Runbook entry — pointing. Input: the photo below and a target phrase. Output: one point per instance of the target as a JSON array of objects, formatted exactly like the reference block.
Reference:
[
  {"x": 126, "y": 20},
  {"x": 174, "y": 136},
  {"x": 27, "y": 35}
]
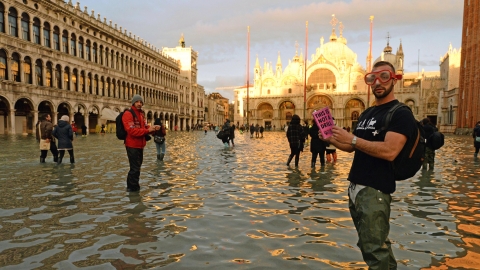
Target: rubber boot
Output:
[
  {"x": 72, "y": 160},
  {"x": 161, "y": 157},
  {"x": 59, "y": 161},
  {"x": 430, "y": 166},
  {"x": 289, "y": 160},
  {"x": 158, "y": 157},
  {"x": 297, "y": 159},
  {"x": 475, "y": 155},
  {"x": 313, "y": 165},
  {"x": 42, "y": 160},
  {"x": 55, "y": 159}
]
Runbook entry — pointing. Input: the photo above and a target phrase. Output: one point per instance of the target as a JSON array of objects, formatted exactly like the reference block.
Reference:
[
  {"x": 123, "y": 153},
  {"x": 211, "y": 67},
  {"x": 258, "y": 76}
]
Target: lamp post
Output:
[{"x": 248, "y": 75}]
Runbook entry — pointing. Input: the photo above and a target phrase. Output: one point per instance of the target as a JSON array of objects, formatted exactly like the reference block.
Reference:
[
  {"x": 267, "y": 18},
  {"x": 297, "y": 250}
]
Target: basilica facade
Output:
[
  {"x": 59, "y": 59},
  {"x": 334, "y": 78}
]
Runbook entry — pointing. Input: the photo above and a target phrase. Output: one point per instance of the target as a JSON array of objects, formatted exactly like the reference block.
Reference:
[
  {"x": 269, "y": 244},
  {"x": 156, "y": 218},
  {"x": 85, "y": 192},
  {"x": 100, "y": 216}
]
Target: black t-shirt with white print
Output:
[{"x": 371, "y": 171}]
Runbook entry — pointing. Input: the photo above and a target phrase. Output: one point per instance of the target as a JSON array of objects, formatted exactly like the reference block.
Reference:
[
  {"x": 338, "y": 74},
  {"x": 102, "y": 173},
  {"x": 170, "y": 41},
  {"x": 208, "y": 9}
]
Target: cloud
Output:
[{"x": 217, "y": 29}]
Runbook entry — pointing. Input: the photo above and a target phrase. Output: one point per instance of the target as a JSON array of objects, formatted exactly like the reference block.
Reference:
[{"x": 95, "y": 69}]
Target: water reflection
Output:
[{"x": 210, "y": 207}]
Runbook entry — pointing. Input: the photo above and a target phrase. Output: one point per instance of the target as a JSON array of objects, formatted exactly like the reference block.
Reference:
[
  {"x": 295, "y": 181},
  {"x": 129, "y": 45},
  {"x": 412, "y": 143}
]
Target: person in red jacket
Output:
[{"x": 135, "y": 141}]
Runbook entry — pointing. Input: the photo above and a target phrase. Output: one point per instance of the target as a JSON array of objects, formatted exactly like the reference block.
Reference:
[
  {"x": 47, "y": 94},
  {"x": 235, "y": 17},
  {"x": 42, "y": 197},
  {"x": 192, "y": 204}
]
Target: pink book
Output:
[{"x": 324, "y": 120}]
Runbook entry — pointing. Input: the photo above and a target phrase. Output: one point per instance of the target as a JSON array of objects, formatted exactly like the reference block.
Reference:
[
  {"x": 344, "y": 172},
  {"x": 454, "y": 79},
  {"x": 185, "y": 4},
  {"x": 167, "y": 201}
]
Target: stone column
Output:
[
  {"x": 40, "y": 34},
  {"x": 51, "y": 37},
  {"x": 19, "y": 26},
  {"x": 86, "y": 120},
  {"x": 9, "y": 69},
  {"x": 21, "y": 71},
  {"x": 33, "y": 73},
  {"x": 35, "y": 121},
  {"x": 69, "y": 87},
  {"x": 53, "y": 78},
  {"x": 44, "y": 76},
  {"x": 12, "y": 121},
  {"x": 30, "y": 31},
  {"x": 5, "y": 21},
  {"x": 60, "y": 39},
  {"x": 54, "y": 117}
]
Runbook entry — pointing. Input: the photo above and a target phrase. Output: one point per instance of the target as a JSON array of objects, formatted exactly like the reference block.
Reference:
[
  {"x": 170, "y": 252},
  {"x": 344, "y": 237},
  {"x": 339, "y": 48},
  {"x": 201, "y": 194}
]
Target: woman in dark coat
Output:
[
  {"x": 161, "y": 147},
  {"x": 64, "y": 134},
  {"x": 317, "y": 146},
  {"x": 296, "y": 139},
  {"x": 476, "y": 138},
  {"x": 226, "y": 131}
]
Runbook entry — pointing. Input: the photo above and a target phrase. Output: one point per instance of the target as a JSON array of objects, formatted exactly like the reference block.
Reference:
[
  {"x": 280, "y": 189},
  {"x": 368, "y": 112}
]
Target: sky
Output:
[{"x": 217, "y": 30}]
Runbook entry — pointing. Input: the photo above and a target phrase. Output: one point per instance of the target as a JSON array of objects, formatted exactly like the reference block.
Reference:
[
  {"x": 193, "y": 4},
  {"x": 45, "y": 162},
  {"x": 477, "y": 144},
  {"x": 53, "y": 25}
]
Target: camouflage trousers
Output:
[
  {"x": 370, "y": 213},
  {"x": 429, "y": 159}
]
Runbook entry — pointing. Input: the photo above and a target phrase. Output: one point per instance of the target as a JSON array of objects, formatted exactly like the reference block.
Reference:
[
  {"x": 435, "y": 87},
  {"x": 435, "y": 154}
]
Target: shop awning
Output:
[{"x": 109, "y": 114}]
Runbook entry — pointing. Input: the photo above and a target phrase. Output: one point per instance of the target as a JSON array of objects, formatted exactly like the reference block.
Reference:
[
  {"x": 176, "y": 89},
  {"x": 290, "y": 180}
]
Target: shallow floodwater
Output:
[{"x": 206, "y": 207}]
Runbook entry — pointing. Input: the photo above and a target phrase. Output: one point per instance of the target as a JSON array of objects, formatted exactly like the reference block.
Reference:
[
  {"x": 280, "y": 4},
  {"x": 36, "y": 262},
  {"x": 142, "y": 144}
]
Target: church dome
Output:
[{"x": 337, "y": 49}]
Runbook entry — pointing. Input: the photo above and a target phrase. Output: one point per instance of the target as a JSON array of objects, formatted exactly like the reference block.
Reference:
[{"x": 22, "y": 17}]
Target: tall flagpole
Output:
[
  {"x": 305, "y": 72},
  {"x": 369, "y": 68},
  {"x": 248, "y": 76}
]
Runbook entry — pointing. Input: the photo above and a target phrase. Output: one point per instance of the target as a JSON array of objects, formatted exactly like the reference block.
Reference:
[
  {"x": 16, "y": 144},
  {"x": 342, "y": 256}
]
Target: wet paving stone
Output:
[{"x": 207, "y": 207}]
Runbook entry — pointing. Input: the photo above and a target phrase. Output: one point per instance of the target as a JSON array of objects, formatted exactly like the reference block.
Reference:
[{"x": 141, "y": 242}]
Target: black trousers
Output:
[
  {"x": 53, "y": 149},
  {"x": 135, "y": 158}
]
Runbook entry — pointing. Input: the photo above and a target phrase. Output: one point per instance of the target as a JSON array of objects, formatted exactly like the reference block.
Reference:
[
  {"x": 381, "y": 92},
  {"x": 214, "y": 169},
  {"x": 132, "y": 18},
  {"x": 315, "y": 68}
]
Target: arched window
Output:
[
  {"x": 27, "y": 70},
  {"x": 16, "y": 67},
  {"x": 25, "y": 26},
  {"x": 322, "y": 79},
  {"x": 268, "y": 91},
  {"x": 65, "y": 41},
  {"x": 94, "y": 53},
  {"x": 36, "y": 31},
  {"x": 46, "y": 34},
  {"x": 289, "y": 90},
  {"x": 38, "y": 72},
  {"x": 58, "y": 76},
  {"x": 3, "y": 64},
  {"x": 48, "y": 74},
  {"x": 12, "y": 22},
  {"x": 80, "y": 47},
  {"x": 87, "y": 50},
  {"x": 74, "y": 80},
  {"x": 66, "y": 72},
  {"x": 73, "y": 45},
  {"x": 56, "y": 38},
  {"x": 2, "y": 19}
]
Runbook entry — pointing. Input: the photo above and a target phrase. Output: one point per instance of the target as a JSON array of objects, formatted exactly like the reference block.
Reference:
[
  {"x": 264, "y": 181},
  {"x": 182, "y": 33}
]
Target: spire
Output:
[
  {"x": 279, "y": 60},
  {"x": 265, "y": 65},
  {"x": 341, "y": 38},
  {"x": 388, "y": 49},
  {"x": 181, "y": 41},
  {"x": 333, "y": 22},
  {"x": 257, "y": 63},
  {"x": 400, "y": 49}
]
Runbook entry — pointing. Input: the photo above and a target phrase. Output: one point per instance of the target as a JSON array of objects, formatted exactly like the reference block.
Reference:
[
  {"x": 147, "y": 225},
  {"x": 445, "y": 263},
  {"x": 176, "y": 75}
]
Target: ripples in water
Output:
[{"x": 215, "y": 208}]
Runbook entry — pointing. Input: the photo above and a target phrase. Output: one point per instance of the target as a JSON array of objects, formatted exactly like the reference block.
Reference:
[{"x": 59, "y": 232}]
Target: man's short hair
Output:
[
  {"x": 44, "y": 116},
  {"x": 384, "y": 63}
]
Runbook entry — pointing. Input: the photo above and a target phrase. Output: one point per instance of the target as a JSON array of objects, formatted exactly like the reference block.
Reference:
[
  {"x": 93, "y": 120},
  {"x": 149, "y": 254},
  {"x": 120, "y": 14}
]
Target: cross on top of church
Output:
[
  {"x": 296, "y": 47},
  {"x": 388, "y": 38},
  {"x": 334, "y": 21},
  {"x": 340, "y": 27}
]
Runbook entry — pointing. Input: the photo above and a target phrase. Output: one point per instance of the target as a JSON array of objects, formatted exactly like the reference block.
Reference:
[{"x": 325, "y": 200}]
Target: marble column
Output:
[{"x": 12, "y": 121}]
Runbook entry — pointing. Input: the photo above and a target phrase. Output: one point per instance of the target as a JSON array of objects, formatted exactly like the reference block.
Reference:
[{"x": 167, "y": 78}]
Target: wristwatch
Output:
[{"x": 354, "y": 141}]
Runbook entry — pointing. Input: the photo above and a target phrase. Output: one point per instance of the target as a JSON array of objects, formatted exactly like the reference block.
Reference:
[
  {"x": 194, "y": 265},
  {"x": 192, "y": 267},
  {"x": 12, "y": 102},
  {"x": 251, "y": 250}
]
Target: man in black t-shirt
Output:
[{"x": 371, "y": 175}]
